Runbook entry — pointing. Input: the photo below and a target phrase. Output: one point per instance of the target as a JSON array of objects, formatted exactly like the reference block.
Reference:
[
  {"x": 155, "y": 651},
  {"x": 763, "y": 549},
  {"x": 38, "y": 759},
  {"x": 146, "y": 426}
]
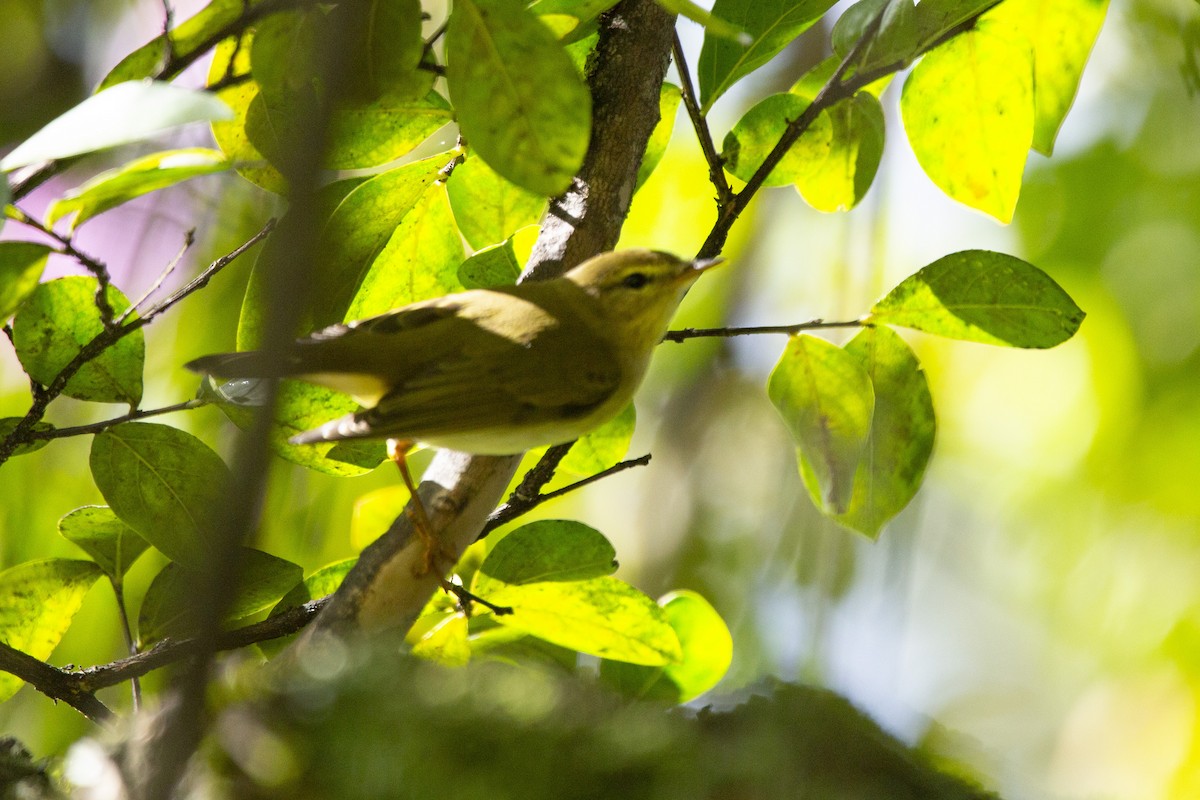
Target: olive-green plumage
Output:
[{"x": 491, "y": 371}]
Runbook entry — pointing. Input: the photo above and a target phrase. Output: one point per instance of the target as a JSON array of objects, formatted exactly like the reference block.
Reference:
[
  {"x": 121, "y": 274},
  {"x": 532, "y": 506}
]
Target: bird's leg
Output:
[{"x": 435, "y": 551}]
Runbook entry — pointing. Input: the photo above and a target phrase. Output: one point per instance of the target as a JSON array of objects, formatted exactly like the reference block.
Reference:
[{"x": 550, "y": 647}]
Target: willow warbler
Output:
[{"x": 491, "y": 371}]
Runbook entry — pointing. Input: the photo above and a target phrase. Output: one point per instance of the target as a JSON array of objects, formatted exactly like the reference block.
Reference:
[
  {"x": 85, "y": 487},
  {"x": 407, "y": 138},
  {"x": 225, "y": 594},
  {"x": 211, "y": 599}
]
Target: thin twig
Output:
[
  {"x": 699, "y": 333},
  {"x": 521, "y": 504},
  {"x": 716, "y": 165},
  {"x": 189, "y": 239},
  {"x": 100, "y": 427}
]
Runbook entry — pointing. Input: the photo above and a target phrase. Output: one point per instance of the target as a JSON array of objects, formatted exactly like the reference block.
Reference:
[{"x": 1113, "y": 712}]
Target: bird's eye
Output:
[{"x": 635, "y": 280}]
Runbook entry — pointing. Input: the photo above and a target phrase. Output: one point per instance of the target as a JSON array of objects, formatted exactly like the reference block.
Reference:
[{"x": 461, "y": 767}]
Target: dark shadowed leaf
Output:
[
  {"x": 112, "y": 544},
  {"x": 771, "y": 26},
  {"x": 164, "y": 483},
  {"x": 549, "y": 550}
]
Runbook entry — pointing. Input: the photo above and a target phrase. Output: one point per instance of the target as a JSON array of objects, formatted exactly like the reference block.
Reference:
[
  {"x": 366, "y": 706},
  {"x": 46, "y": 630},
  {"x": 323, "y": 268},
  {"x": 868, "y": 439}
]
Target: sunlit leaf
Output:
[
  {"x": 981, "y": 296},
  {"x": 520, "y": 102},
  {"x": 230, "y": 135},
  {"x": 169, "y": 607},
  {"x": 600, "y": 448},
  {"x": 374, "y": 512},
  {"x": 54, "y": 324},
  {"x": 112, "y": 544},
  {"x": 707, "y": 653},
  {"x": 186, "y": 38},
  {"x": 826, "y": 400},
  {"x": 488, "y": 208},
  {"x": 771, "y": 26},
  {"x": 548, "y": 550},
  {"x": 127, "y": 112},
  {"x": 38, "y": 600},
  {"x": 446, "y": 642},
  {"x": 968, "y": 113},
  {"x": 492, "y": 266},
  {"x": 21, "y": 266},
  {"x": 361, "y": 217},
  {"x": 301, "y": 407},
  {"x": 840, "y": 179},
  {"x": 669, "y": 97},
  {"x": 902, "y": 431},
  {"x": 164, "y": 483},
  {"x": 603, "y": 617},
  {"x": 141, "y": 176},
  {"x": 1062, "y": 33},
  {"x": 757, "y": 132},
  {"x": 419, "y": 262}
]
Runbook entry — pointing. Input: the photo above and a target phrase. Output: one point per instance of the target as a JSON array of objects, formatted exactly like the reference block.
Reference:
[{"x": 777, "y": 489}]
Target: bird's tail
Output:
[{"x": 251, "y": 364}]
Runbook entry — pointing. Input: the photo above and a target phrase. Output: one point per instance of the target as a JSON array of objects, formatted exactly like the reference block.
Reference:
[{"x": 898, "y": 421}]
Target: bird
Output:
[{"x": 491, "y": 371}]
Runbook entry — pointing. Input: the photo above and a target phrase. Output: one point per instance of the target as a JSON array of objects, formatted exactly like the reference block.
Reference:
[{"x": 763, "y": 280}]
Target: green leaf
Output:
[
  {"x": 902, "y": 431},
  {"x": 603, "y": 617},
  {"x": 38, "y": 600},
  {"x": 1062, "y": 33},
  {"x": 21, "y": 266},
  {"x": 186, "y": 38},
  {"x": 378, "y": 119},
  {"x": 825, "y": 398},
  {"x": 112, "y": 544},
  {"x": 374, "y": 512},
  {"x": 362, "y": 217},
  {"x": 9, "y": 424},
  {"x": 840, "y": 179},
  {"x": 601, "y": 447},
  {"x": 230, "y": 135},
  {"x": 981, "y": 296},
  {"x": 771, "y": 25},
  {"x": 447, "y": 642},
  {"x": 54, "y": 324},
  {"x": 488, "y": 208},
  {"x": 669, "y": 97},
  {"x": 895, "y": 41},
  {"x": 707, "y": 653},
  {"x": 936, "y": 18},
  {"x": 321, "y": 583},
  {"x": 968, "y": 113},
  {"x": 163, "y": 483},
  {"x": 141, "y": 176},
  {"x": 712, "y": 23},
  {"x": 548, "y": 550},
  {"x": 168, "y": 609},
  {"x": 419, "y": 262},
  {"x": 521, "y": 104},
  {"x": 301, "y": 407},
  {"x": 127, "y": 112},
  {"x": 756, "y": 134},
  {"x": 492, "y": 266}
]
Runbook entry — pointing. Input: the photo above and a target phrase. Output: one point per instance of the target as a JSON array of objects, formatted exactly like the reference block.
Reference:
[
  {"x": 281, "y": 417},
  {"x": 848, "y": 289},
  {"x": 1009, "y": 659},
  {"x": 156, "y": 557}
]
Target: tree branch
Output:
[
  {"x": 52, "y": 682},
  {"x": 716, "y": 165},
  {"x": 816, "y": 324}
]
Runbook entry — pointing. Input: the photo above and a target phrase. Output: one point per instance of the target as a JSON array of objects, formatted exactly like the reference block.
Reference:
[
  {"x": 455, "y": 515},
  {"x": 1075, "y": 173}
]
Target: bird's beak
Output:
[{"x": 704, "y": 264}]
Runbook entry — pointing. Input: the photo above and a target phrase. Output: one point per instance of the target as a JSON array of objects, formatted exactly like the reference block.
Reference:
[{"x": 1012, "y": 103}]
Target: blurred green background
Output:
[{"x": 1034, "y": 615}]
